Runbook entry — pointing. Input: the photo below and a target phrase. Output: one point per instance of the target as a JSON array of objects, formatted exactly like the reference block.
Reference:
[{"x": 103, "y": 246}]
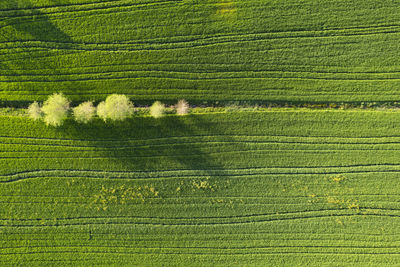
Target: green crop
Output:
[
  {"x": 211, "y": 50},
  {"x": 221, "y": 186},
  {"x": 286, "y": 188}
]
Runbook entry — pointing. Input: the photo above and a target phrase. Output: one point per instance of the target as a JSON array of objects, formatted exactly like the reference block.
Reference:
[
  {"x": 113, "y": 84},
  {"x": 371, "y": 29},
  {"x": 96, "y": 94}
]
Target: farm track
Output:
[{"x": 224, "y": 186}]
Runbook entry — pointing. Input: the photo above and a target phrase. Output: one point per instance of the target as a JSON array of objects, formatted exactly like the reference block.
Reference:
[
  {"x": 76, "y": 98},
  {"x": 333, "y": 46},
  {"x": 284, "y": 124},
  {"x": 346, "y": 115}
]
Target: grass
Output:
[
  {"x": 214, "y": 50},
  {"x": 312, "y": 182},
  {"x": 289, "y": 187}
]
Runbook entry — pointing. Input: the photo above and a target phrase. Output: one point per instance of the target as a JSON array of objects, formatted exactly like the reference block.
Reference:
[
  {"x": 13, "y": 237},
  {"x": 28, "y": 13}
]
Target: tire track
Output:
[
  {"x": 101, "y": 6},
  {"x": 239, "y": 38},
  {"x": 191, "y": 155},
  {"x": 129, "y": 145},
  {"x": 279, "y": 233},
  {"x": 215, "y": 172},
  {"x": 73, "y": 5},
  {"x": 194, "y": 239},
  {"x": 210, "y": 151},
  {"x": 202, "y": 136},
  {"x": 197, "y": 79},
  {"x": 175, "y": 74},
  {"x": 179, "y": 72},
  {"x": 283, "y": 253},
  {"x": 150, "y": 49},
  {"x": 189, "y": 220},
  {"x": 207, "y": 198},
  {"x": 206, "y": 247}
]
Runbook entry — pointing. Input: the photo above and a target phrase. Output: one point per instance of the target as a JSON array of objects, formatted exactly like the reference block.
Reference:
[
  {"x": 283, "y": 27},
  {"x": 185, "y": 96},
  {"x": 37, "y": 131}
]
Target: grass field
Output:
[
  {"x": 279, "y": 187},
  {"x": 226, "y": 185},
  {"x": 209, "y": 50}
]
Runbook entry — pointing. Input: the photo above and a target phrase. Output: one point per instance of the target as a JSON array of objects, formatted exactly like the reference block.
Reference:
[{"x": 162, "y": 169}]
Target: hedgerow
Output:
[{"x": 116, "y": 107}]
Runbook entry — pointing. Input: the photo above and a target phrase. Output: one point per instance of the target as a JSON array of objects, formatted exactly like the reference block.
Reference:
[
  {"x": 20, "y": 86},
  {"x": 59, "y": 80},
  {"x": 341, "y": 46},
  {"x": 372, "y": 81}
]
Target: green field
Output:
[
  {"x": 268, "y": 188},
  {"x": 209, "y": 50},
  {"x": 243, "y": 180}
]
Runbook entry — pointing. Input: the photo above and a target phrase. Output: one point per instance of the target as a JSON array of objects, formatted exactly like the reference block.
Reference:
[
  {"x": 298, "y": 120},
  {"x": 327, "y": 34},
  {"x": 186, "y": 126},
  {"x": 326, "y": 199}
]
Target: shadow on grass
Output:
[
  {"x": 27, "y": 20},
  {"x": 27, "y": 31},
  {"x": 148, "y": 144}
]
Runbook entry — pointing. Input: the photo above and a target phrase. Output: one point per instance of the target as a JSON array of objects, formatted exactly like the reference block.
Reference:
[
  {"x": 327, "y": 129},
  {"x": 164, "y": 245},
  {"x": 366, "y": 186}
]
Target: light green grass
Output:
[
  {"x": 213, "y": 50},
  {"x": 282, "y": 188}
]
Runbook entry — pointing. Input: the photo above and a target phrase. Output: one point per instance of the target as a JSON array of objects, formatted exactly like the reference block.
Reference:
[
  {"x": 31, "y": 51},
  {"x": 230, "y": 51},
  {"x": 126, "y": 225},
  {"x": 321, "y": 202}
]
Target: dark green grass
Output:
[
  {"x": 285, "y": 188},
  {"x": 308, "y": 51}
]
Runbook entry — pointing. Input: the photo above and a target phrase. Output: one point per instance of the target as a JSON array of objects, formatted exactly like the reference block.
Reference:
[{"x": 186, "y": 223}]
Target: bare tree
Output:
[{"x": 182, "y": 107}]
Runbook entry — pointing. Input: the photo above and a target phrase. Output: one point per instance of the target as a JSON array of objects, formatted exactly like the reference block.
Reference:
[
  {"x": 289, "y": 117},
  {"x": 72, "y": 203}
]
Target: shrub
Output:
[
  {"x": 182, "y": 107},
  {"x": 35, "y": 111},
  {"x": 84, "y": 112},
  {"x": 116, "y": 108},
  {"x": 157, "y": 110},
  {"x": 55, "y": 109}
]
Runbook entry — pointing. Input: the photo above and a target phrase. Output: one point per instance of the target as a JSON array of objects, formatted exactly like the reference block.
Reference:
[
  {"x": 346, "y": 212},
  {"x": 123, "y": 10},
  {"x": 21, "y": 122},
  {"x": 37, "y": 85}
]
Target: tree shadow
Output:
[
  {"x": 26, "y": 29},
  {"x": 147, "y": 144},
  {"x": 25, "y": 18}
]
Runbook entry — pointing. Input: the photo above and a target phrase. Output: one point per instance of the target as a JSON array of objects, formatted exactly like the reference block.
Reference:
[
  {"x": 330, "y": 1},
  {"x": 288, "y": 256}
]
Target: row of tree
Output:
[{"x": 115, "y": 108}]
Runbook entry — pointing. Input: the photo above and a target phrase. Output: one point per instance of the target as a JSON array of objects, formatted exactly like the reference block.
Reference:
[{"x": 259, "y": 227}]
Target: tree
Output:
[
  {"x": 35, "y": 111},
  {"x": 182, "y": 107},
  {"x": 101, "y": 110},
  {"x": 157, "y": 110},
  {"x": 55, "y": 109},
  {"x": 115, "y": 108},
  {"x": 84, "y": 112}
]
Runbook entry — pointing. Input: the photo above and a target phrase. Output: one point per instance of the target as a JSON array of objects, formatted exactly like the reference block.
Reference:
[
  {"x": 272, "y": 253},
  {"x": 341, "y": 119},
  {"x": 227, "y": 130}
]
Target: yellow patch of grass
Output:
[
  {"x": 123, "y": 195},
  {"x": 338, "y": 178},
  {"x": 204, "y": 185},
  {"x": 353, "y": 205},
  {"x": 332, "y": 200},
  {"x": 226, "y": 8}
]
